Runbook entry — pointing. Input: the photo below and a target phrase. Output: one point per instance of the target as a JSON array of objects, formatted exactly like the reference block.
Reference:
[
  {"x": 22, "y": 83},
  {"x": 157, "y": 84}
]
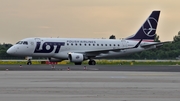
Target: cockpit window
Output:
[
  {"x": 19, "y": 42},
  {"x": 25, "y": 43},
  {"x": 22, "y": 42}
]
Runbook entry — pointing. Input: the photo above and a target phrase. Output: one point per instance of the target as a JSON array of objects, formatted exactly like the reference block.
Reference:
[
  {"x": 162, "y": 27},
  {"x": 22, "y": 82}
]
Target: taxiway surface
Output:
[
  {"x": 96, "y": 83},
  {"x": 89, "y": 86}
]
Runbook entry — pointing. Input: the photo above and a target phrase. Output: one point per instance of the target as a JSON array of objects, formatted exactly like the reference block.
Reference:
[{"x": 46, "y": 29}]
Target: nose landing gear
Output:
[{"x": 29, "y": 62}]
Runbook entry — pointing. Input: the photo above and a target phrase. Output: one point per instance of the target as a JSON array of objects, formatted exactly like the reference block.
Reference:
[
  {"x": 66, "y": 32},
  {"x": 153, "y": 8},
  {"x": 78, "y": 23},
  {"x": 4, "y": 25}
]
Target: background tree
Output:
[
  {"x": 112, "y": 37},
  {"x": 157, "y": 38},
  {"x": 177, "y": 37}
]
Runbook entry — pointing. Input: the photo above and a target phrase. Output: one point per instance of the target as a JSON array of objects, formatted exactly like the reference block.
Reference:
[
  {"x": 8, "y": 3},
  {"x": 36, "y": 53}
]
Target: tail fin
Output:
[{"x": 148, "y": 29}]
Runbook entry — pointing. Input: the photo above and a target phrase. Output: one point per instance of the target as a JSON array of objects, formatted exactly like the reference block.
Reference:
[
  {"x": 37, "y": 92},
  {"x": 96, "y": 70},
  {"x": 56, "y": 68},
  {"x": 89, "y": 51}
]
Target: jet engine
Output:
[
  {"x": 76, "y": 57},
  {"x": 54, "y": 60}
]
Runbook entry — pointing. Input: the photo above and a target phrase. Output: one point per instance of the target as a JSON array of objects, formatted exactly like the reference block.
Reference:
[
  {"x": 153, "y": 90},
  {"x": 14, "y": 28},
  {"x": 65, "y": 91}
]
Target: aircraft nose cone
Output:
[{"x": 10, "y": 51}]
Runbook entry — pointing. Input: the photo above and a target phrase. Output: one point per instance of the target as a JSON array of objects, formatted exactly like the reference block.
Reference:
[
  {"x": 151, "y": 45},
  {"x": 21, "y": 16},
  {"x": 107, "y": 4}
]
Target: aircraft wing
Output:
[{"x": 115, "y": 50}]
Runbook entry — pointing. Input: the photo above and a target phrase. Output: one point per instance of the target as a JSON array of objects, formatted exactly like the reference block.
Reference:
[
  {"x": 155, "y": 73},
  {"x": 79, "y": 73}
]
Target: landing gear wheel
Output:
[
  {"x": 78, "y": 63},
  {"x": 92, "y": 62}
]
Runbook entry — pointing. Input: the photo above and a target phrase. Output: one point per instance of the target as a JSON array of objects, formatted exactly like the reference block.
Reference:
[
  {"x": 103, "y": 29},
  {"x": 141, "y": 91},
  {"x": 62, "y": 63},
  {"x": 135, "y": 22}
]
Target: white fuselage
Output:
[{"x": 60, "y": 47}]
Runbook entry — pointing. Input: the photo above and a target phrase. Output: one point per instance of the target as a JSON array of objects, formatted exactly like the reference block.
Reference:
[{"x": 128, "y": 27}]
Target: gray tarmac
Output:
[{"x": 97, "y": 83}]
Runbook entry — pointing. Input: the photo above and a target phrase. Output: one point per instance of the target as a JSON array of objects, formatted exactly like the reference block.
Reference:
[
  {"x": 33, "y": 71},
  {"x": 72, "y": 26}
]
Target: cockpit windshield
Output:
[
  {"x": 19, "y": 42},
  {"x": 22, "y": 42},
  {"x": 25, "y": 43}
]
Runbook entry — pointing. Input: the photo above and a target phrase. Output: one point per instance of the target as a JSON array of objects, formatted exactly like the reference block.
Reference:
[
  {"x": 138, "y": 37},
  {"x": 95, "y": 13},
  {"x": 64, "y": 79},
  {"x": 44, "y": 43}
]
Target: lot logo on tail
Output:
[{"x": 148, "y": 27}]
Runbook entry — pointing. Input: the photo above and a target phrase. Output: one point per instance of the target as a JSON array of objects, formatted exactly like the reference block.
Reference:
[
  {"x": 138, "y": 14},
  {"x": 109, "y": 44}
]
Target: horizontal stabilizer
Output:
[{"x": 156, "y": 44}]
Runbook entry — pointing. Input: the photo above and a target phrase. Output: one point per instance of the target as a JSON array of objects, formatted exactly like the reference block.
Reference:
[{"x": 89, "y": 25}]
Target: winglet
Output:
[{"x": 138, "y": 44}]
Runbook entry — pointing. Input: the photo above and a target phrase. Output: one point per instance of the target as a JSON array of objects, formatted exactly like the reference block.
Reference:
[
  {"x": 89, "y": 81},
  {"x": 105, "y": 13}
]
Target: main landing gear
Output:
[{"x": 92, "y": 62}]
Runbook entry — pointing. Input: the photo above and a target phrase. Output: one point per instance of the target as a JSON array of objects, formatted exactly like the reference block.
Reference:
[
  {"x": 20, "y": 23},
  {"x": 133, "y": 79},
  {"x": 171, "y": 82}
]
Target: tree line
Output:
[{"x": 169, "y": 50}]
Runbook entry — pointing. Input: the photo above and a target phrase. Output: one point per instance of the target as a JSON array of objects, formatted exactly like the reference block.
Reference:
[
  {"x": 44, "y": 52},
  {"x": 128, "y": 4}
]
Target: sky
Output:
[{"x": 20, "y": 19}]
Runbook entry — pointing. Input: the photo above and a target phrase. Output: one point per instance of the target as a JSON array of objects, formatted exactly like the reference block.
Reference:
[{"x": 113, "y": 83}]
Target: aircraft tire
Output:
[
  {"x": 92, "y": 62},
  {"x": 29, "y": 63}
]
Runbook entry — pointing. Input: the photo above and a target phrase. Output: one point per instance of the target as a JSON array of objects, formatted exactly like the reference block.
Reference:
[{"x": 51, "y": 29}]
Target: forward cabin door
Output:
[
  {"x": 124, "y": 44},
  {"x": 38, "y": 45},
  {"x": 43, "y": 48}
]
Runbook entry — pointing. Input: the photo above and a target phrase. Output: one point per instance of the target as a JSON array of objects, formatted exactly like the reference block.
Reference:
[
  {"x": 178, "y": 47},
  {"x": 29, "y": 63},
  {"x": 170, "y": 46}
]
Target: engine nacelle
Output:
[
  {"x": 76, "y": 57},
  {"x": 54, "y": 60}
]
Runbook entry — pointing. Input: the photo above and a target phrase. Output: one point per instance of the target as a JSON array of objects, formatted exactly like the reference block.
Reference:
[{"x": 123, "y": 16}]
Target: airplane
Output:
[{"x": 78, "y": 50}]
